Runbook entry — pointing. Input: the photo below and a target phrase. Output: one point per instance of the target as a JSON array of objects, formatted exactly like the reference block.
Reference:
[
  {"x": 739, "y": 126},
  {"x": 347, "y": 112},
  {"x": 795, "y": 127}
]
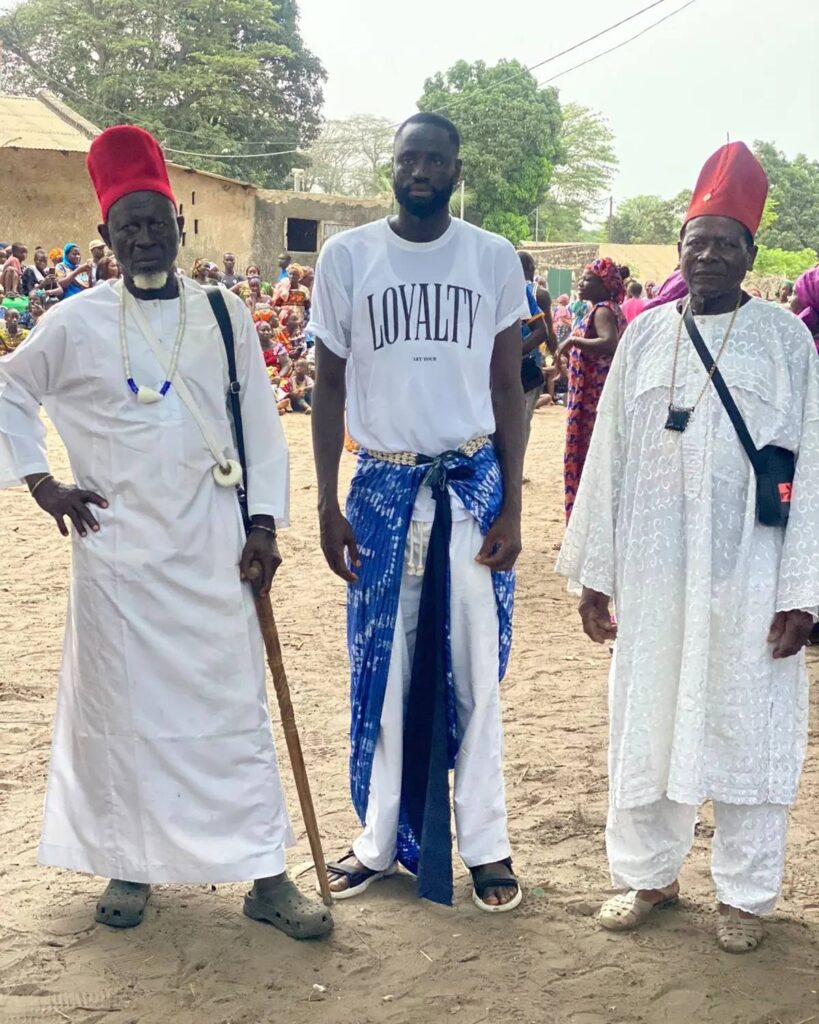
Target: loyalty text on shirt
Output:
[{"x": 423, "y": 312}]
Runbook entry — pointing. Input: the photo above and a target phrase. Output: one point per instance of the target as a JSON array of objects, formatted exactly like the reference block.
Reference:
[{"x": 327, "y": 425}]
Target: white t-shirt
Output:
[{"x": 417, "y": 324}]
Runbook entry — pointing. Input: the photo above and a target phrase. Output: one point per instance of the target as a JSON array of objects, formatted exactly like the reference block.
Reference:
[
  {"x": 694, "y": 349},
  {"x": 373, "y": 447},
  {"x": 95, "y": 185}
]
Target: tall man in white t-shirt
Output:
[{"x": 418, "y": 325}]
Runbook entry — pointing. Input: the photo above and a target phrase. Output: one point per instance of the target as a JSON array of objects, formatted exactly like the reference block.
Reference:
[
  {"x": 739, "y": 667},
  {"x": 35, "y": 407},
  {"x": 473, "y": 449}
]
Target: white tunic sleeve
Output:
[
  {"x": 29, "y": 373},
  {"x": 799, "y": 569},
  {"x": 268, "y": 460},
  {"x": 587, "y": 555}
]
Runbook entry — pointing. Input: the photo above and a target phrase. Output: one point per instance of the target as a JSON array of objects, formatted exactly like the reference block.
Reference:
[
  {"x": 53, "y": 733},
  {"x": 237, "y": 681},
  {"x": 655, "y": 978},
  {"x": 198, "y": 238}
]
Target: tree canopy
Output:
[
  {"x": 510, "y": 129},
  {"x": 795, "y": 196},
  {"x": 648, "y": 220},
  {"x": 351, "y": 156},
  {"x": 209, "y": 76},
  {"x": 582, "y": 176},
  {"x": 784, "y": 263}
]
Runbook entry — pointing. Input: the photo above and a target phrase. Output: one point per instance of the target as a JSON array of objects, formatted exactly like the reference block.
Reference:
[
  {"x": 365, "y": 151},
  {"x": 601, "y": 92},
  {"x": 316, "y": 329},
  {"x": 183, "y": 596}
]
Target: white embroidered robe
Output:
[{"x": 665, "y": 523}]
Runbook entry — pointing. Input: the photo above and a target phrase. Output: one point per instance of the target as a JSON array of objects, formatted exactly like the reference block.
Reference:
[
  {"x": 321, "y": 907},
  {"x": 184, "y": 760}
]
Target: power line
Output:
[
  {"x": 611, "y": 49},
  {"x": 555, "y": 56},
  {"x": 488, "y": 88}
]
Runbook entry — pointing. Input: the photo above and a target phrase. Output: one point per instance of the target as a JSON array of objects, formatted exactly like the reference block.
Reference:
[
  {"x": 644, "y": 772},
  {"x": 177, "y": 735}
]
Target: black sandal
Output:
[
  {"x": 358, "y": 880},
  {"x": 480, "y": 889}
]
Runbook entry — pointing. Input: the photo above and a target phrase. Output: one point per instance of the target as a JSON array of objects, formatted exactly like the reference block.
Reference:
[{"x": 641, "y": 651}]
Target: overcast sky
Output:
[{"x": 744, "y": 67}]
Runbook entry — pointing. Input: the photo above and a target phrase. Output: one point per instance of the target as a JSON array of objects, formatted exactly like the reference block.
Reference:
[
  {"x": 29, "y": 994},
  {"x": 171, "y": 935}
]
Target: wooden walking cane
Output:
[{"x": 273, "y": 647}]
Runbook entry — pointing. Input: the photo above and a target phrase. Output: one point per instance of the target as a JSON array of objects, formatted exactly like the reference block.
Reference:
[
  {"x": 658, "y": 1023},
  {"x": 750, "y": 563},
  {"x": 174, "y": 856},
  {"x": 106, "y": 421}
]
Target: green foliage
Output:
[
  {"x": 582, "y": 177},
  {"x": 204, "y": 75},
  {"x": 350, "y": 156},
  {"x": 647, "y": 220},
  {"x": 795, "y": 194},
  {"x": 510, "y": 130},
  {"x": 784, "y": 264},
  {"x": 513, "y": 226}
]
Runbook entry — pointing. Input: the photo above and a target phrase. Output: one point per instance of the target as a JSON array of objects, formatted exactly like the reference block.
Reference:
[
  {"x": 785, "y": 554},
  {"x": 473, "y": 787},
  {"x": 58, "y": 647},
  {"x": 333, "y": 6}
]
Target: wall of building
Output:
[
  {"x": 47, "y": 199},
  {"x": 51, "y": 202},
  {"x": 331, "y": 214},
  {"x": 219, "y": 217},
  {"x": 646, "y": 262}
]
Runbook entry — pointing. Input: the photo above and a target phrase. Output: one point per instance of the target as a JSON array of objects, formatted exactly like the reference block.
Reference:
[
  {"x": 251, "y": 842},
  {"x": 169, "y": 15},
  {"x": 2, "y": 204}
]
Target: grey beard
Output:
[{"x": 151, "y": 282}]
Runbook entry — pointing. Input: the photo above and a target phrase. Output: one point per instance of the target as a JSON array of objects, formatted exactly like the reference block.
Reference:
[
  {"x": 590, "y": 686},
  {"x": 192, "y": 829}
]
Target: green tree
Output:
[
  {"x": 349, "y": 155},
  {"x": 646, "y": 220},
  {"x": 781, "y": 263},
  {"x": 582, "y": 177},
  {"x": 510, "y": 130},
  {"x": 795, "y": 193},
  {"x": 211, "y": 76}
]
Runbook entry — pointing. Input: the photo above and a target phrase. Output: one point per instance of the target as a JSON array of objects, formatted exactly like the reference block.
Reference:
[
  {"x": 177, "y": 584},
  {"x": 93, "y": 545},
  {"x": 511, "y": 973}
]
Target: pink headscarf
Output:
[
  {"x": 609, "y": 273},
  {"x": 807, "y": 295}
]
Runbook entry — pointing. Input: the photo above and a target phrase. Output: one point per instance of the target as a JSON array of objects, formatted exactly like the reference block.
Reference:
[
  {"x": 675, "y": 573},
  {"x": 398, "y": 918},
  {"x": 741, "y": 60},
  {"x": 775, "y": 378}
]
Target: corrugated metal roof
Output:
[{"x": 29, "y": 123}]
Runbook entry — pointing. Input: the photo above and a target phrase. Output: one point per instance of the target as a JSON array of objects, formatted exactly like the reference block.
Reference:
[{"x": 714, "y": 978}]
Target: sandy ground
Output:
[{"x": 392, "y": 959}]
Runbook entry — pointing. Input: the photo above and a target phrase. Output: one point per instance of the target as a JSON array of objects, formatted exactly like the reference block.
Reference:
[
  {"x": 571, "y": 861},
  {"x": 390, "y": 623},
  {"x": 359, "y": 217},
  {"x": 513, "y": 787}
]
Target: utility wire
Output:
[
  {"x": 548, "y": 60},
  {"x": 611, "y": 49},
  {"x": 63, "y": 87},
  {"x": 488, "y": 88}
]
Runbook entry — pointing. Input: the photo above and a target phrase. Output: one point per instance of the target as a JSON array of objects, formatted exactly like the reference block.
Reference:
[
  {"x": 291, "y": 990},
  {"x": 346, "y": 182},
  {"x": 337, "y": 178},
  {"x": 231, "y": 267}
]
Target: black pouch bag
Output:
[{"x": 774, "y": 467}]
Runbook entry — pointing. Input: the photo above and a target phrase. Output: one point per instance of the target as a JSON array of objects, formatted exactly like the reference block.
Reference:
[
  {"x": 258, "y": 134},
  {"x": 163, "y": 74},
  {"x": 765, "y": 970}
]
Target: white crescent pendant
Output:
[
  {"x": 229, "y": 477},
  {"x": 147, "y": 396}
]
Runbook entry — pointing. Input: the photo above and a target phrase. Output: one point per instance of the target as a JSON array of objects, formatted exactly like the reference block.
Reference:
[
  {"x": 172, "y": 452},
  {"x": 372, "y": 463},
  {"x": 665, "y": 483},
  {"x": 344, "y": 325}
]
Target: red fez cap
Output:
[
  {"x": 731, "y": 184},
  {"x": 126, "y": 159}
]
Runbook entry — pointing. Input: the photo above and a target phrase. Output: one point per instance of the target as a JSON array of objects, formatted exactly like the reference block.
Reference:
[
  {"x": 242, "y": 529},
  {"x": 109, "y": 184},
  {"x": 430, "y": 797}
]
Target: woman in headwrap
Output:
[
  {"x": 562, "y": 318},
  {"x": 291, "y": 293},
  {"x": 199, "y": 271},
  {"x": 72, "y": 273},
  {"x": 588, "y": 352},
  {"x": 806, "y": 301}
]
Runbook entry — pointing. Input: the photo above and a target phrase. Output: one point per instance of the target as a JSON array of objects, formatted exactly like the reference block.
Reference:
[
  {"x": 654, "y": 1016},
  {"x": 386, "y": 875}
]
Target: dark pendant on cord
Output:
[{"x": 678, "y": 419}]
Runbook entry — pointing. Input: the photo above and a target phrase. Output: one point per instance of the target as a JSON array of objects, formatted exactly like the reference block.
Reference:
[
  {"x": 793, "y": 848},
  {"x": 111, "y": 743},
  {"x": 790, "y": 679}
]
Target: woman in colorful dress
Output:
[
  {"x": 562, "y": 318},
  {"x": 259, "y": 304},
  {"x": 292, "y": 294},
  {"x": 588, "y": 352}
]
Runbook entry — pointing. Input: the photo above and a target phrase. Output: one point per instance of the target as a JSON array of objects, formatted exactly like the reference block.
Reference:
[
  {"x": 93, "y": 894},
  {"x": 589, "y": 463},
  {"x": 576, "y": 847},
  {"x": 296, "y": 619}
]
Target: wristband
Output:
[
  {"x": 267, "y": 529},
  {"x": 42, "y": 480}
]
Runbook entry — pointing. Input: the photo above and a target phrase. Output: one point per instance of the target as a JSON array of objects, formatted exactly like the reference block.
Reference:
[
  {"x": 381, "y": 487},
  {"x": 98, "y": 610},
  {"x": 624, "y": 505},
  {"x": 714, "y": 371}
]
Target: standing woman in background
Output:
[{"x": 588, "y": 352}]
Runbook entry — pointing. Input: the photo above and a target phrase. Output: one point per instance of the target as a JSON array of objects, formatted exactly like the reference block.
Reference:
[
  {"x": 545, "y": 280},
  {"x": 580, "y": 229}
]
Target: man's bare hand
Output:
[
  {"x": 789, "y": 633},
  {"x": 63, "y": 500},
  {"x": 594, "y": 611},
  {"x": 501, "y": 545},
  {"x": 338, "y": 539},
  {"x": 260, "y": 560}
]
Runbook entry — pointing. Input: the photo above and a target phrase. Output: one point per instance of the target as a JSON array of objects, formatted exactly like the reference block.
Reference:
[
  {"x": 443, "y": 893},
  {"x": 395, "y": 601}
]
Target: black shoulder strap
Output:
[
  {"x": 220, "y": 311},
  {"x": 718, "y": 380}
]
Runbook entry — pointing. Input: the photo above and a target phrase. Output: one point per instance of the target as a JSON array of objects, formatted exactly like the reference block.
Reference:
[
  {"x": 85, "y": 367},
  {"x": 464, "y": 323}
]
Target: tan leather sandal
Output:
[
  {"x": 736, "y": 934},
  {"x": 626, "y": 911}
]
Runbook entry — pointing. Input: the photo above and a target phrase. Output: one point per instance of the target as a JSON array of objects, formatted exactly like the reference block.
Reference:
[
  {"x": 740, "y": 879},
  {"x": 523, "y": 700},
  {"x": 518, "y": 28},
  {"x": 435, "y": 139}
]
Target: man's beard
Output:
[
  {"x": 424, "y": 208},
  {"x": 151, "y": 282}
]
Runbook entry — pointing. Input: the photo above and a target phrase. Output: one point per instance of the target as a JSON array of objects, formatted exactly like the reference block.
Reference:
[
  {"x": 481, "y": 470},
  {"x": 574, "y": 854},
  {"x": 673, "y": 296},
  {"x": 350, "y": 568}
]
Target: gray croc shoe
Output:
[
  {"x": 283, "y": 906},
  {"x": 122, "y": 905}
]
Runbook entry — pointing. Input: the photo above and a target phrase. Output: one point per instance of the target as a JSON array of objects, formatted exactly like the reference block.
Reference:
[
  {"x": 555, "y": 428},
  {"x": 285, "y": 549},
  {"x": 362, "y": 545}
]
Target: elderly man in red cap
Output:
[
  {"x": 163, "y": 767},
  {"x": 703, "y": 526}
]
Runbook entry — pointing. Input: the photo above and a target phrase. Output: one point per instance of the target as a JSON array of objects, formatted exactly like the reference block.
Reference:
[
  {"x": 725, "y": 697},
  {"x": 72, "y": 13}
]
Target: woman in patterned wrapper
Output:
[{"x": 587, "y": 353}]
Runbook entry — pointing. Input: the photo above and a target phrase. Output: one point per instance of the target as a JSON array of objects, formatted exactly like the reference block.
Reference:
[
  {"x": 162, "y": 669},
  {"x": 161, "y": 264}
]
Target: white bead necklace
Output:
[{"x": 146, "y": 395}]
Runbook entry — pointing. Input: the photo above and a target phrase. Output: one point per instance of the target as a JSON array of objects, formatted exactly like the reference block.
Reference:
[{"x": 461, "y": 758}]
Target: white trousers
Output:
[
  {"x": 647, "y": 846},
  {"x": 480, "y": 798}
]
